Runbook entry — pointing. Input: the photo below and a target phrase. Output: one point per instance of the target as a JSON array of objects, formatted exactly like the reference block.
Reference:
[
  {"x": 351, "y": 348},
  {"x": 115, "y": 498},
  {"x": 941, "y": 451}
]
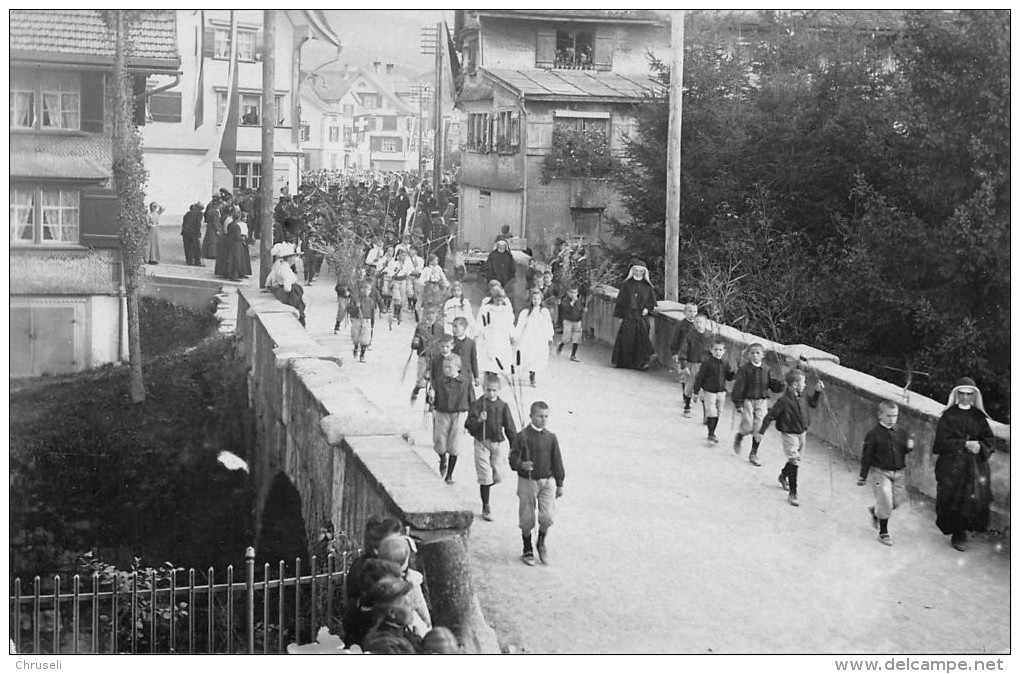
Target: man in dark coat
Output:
[
  {"x": 400, "y": 208},
  {"x": 191, "y": 232},
  {"x": 439, "y": 239},
  {"x": 633, "y": 347},
  {"x": 963, "y": 443}
]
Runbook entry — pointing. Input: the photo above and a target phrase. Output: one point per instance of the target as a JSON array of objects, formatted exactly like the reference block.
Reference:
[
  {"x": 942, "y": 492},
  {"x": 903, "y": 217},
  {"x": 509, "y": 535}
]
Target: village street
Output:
[{"x": 664, "y": 544}]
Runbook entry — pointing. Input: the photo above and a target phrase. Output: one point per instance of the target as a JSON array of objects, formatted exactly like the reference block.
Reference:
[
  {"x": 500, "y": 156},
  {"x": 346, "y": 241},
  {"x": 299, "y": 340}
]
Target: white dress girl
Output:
[
  {"x": 495, "y": 327},
  {"x": 532, "y": 336}
]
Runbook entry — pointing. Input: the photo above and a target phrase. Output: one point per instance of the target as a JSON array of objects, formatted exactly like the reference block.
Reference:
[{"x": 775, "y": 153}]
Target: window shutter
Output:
[
  {"x": 208, "y": 42},
  {"x": 375, "y": 143},
  {"x": 259, "y": 40},
  {"x": 138, "y": 89},
  {"x": 98, "y": 219},
  {"x": 400, "y": 144},
  {"x": 165, "y": 106},
  {"x": 545, "y": 49},
  {"x": 93, "y": 101},
  {"x": 604, "y": 51}
]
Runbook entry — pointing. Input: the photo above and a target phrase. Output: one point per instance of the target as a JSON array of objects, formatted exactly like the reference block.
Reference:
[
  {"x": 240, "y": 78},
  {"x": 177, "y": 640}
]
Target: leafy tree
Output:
[{"x": 828, "y": 199}]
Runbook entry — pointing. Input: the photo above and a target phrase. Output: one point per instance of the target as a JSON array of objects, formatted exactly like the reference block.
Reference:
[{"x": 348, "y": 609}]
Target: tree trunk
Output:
[{"x": 128, "y": 178}]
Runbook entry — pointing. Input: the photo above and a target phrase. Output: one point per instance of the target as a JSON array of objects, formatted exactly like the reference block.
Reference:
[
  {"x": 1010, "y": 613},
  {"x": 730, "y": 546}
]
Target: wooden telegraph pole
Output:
[
  {"x": 437, "y": 150},
  {"x": 268, "y": 130},
  {"x": 676, "y": 82}
]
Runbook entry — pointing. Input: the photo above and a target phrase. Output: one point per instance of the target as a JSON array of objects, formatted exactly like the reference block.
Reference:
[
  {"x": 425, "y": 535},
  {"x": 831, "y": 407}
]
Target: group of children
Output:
[
  {"x": 704, "y": 373},
  {"x": 386, "y": 611},
  {"x": 450, "y": 366}
]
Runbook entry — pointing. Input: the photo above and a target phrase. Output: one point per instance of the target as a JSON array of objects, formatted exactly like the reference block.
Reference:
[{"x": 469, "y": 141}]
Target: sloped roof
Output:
[
  {"x": 597, "y": 15},
  {"x": 86, "y": 157},
  {"x": 81, "y": 36},
  {"x": 334, "y": 91},
  {"x": 572, "y": 84}
]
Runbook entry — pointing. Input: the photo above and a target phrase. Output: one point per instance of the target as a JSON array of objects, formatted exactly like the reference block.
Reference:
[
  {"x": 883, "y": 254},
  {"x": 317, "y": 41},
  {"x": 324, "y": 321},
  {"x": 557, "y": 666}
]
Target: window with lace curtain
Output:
[
  {"x": 46, "y": 215},
  {"x": 45, "y": 100}
]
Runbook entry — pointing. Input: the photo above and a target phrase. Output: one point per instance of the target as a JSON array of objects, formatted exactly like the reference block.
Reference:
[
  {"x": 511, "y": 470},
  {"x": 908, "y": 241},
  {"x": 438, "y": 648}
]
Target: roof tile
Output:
[
  {"x": 573, "y": 83},
  {"x": 85, "y": 157},
  {"x": 83, "y": 32}
]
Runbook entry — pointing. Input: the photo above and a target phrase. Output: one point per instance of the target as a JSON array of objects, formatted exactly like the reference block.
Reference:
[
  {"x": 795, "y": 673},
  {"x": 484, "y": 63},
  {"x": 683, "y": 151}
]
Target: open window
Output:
[{"x": 583, "y": 48}]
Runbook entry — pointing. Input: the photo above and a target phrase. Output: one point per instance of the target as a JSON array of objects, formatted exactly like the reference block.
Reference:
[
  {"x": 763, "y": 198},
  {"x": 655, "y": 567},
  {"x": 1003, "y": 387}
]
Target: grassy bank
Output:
[{"x": 91, "y": 471}]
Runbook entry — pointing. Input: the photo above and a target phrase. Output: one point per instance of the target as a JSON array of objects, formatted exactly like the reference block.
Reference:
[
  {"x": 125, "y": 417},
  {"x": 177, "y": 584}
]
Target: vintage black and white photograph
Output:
[{"x": 571, "y": 331}]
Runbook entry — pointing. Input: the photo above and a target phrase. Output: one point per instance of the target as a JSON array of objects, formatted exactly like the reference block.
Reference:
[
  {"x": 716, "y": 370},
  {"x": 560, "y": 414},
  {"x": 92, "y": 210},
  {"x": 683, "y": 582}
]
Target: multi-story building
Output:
[
  {"x": 67, "y": 303},
  {"x": 183, "y": 133},
  {"x": 326, "y": 131},
  {"x": 526, "y": 74}
]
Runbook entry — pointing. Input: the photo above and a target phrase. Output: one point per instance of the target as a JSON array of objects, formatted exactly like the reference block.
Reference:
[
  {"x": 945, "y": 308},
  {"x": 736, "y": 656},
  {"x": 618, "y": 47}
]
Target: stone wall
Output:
[
  {"x": 349, "y": 460},
  {"x": 850, "y": 409}
]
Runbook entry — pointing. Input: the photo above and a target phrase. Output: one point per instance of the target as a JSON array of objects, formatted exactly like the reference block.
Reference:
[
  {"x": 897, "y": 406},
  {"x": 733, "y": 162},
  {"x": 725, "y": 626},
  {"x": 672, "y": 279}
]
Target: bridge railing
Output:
[
  {"x": 261, "y": 612},
  {"x": 851, "y": 396}
]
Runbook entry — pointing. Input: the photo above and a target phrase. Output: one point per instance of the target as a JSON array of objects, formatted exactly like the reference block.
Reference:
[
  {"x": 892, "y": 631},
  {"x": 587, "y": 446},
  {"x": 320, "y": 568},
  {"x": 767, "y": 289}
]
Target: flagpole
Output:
[{"x": 268, "y": 129}]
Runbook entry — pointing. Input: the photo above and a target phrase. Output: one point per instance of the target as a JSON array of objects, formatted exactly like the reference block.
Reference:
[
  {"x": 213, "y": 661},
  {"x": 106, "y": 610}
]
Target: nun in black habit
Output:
[
  {"x": 633, "y": 348},
  {"x": 963, "y": 443}
]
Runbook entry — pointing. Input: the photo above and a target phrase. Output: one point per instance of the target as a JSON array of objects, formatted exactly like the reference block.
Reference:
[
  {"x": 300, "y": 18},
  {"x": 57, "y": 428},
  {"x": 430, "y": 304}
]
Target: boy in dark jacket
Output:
[
  {"x": 451, "y": 397},
  {"x": 535, "y": 455},
  {"x": 711, "y": 383},
  {"x": 465, "y": 347},
  {"x": 490, "y": 423},
  {"x": 424, "y": 343},
  {"x": 572, "y": 314},
  {"x": 751, "y": 396},
  {"x": 791, "y": 419},
  {"x": 694, "y": 350},
  {"x": 884, "y": 463}
]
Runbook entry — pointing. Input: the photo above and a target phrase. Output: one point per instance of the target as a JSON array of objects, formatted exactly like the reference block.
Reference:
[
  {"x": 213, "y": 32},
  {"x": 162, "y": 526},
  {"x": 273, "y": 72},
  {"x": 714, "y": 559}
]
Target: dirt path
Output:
[{"x": 663, "y": 544}]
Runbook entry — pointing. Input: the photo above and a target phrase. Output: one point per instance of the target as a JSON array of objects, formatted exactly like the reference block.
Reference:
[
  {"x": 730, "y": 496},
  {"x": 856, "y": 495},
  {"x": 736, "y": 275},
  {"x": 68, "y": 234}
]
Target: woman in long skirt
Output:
[
  {"x": 153, "y": 215},
  {"x": 212, "y": 228},
  {"x": 633, "y": 347},
  {"x": 532, "y": 336},
  {"x": 963, "y": 443}
]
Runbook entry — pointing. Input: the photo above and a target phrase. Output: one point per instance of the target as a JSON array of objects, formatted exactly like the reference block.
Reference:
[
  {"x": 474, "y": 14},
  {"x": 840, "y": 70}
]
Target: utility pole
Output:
[
  {"x": 420, "y": 92},
  {"x": 676, "y": 87},
  {"x": 437, "y": 151},
  {"x": 268, "y": 130},
  {"x": 431, "y": 43}
]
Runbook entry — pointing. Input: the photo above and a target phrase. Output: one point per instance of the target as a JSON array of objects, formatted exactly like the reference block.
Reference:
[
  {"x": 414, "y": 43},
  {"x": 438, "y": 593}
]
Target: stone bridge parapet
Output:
[
  {"x": 852, "y": 396},
  {"x": 348, "y": 460}
]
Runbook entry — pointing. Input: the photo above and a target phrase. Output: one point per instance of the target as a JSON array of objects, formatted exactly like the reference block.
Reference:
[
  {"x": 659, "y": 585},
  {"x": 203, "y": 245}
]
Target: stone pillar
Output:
[{"x": 444, "y": 558}]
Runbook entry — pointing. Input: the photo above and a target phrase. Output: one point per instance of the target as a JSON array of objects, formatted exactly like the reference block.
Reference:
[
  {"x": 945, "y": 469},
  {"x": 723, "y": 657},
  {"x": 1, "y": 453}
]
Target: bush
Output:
[{"x": 166, "y": 327}]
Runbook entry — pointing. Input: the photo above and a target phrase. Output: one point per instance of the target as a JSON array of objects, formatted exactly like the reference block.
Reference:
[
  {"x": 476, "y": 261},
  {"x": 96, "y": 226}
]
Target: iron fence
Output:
[{"x": 156, "y": 613}]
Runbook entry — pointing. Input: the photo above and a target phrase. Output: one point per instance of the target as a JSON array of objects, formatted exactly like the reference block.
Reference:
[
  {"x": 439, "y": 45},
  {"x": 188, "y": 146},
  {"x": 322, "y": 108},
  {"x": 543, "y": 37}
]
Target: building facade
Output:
[
  {"x": 67, "y": 299},
  {"x": 181, "y": 143},
  {"x": 527, "y": 74}
]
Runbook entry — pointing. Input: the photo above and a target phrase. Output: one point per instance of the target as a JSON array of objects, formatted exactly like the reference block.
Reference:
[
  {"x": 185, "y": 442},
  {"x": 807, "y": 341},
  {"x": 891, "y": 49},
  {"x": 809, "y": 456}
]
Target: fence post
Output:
[{"x": 249, "y": 562}]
